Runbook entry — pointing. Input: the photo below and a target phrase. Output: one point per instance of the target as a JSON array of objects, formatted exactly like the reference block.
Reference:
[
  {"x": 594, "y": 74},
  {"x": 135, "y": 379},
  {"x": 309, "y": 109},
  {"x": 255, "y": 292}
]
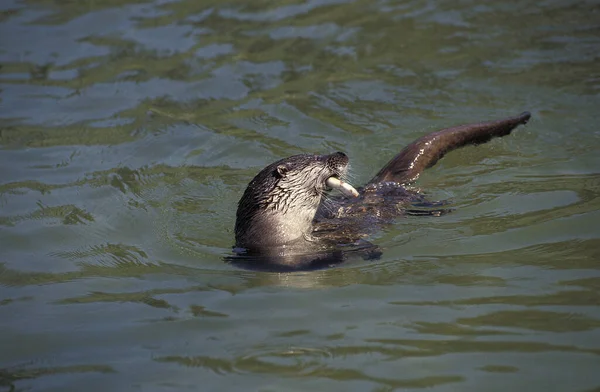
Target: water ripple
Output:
[{"x": 129, "y": 130}]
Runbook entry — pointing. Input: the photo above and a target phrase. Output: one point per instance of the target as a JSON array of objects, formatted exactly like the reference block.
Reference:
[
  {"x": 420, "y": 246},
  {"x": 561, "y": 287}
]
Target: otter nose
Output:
[{"x": 338, "y": 159}]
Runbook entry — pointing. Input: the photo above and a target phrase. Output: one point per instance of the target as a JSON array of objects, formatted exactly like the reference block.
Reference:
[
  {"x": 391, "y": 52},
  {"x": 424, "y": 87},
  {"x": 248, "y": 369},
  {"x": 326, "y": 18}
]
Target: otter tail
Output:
[{"x": 427, "y": 150}]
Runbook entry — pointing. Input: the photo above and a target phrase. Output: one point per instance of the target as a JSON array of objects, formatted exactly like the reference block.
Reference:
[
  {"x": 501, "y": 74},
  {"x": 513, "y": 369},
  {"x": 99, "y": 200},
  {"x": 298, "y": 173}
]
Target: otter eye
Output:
[{"x": 282, "y": 170}]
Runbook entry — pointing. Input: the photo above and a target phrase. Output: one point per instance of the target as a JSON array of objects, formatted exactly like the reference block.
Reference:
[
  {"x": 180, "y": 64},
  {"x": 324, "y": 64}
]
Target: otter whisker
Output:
[{"x": 348, "y": 175}]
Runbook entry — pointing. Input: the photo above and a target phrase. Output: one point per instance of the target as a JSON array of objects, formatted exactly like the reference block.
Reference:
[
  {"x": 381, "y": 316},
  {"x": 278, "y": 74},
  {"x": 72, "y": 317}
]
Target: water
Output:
[{"x": 128, "y": 131}]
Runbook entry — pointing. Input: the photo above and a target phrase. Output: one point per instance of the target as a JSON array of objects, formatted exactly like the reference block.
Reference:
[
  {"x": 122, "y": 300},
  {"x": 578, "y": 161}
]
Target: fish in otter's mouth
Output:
[
  {"x": 344, "y": 187},
  {"x": 279, "y": 220},
  {"x": 339, "y": 162}
]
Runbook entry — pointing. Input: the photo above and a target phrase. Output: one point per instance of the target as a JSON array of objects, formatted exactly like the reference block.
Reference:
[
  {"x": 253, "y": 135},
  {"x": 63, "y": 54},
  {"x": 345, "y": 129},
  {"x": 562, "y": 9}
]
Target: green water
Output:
[{"x": 129, "y": 130}]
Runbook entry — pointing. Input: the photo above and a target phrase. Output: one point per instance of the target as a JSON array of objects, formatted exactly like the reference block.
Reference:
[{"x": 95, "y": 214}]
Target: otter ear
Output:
[{"x": 282, "y": 170}]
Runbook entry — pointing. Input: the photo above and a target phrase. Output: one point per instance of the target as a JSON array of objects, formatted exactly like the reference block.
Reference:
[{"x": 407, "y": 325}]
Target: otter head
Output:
[{"x": 280, "y": 203}]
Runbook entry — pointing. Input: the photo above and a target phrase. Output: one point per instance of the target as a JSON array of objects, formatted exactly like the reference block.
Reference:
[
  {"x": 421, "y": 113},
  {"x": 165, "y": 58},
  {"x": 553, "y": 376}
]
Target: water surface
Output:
[{"x": 129, "y": 130}]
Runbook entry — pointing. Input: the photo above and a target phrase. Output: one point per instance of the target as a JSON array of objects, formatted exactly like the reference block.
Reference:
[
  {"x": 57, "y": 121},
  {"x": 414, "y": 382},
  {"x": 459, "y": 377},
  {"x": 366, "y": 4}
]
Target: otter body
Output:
[{"x": 284, "y": 222}]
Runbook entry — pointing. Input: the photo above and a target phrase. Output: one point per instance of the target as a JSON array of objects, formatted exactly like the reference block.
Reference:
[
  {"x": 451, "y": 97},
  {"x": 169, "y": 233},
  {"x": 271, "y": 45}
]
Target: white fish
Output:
[{"x": 344, "y": 187}]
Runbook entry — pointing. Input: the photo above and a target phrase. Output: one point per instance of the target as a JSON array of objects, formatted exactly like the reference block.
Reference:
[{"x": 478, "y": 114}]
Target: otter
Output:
[{"x": 287, "y": 221}]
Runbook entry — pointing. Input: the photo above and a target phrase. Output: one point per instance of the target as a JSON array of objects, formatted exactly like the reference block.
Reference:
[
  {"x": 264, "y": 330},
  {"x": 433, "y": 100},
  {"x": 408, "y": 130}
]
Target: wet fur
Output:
[{"x": 285, "y": 223}]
